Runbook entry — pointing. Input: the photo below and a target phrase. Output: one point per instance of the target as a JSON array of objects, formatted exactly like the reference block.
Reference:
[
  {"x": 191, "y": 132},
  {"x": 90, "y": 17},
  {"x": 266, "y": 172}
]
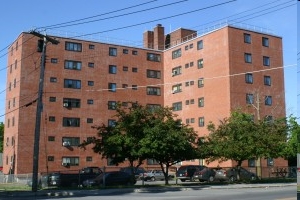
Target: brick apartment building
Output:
[{"x": 203, "y": 76}]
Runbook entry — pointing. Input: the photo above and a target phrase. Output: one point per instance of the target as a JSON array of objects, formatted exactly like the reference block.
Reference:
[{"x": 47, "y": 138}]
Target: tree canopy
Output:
[
  {"x": 240, "y": 138},
  {"x": 140, "y": 133}
]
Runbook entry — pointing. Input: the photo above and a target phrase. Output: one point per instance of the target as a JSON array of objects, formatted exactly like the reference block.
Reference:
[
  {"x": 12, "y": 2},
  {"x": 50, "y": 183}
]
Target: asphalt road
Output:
[{"x": 262, "y": 193}]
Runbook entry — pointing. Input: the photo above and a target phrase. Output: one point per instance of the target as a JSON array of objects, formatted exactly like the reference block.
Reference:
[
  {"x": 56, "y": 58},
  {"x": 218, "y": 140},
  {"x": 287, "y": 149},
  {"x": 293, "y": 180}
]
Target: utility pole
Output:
[{"x": 39, "y": 109}]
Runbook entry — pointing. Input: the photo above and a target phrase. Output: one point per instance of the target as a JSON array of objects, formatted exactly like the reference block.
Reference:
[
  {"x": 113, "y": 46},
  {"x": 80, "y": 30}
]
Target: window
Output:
[
  {"x": 112, "y": 105},
  {"x": 153, "y": 57},
  {"x": 152, "y": 162},
  {"x": 90, "y": 64},
  {"x": 8, "y": 104},
  {"x": 91, "y": 46},
  {"x": 124, "y": 85},
  {"x": 177, "y": 106},
  {"x": 176, "y": 71},
  {"x": 72, "y": 46},
  {"x": 89, "y": 120},
  {"x": 70, "y": 64},
  {"x": 90, "y": 101},
  {"x": 124, "y": 103},
  {"x": 15, "y": 83},
  {"x": 69, "y": 83},
  {"x": 134, "y": 87},
  {"x": 111, "y": 123},
  {"x": 125, "y": 68},
  {"x": 187, "y": 121},
  {"x": 269, "y": 118},
  {"x": 125, "y": 51},
  {"x": 192, "y": 120},
  {"x": 90, "y": 83},
  {"x": 71, "y": 141},
  {"x": 176, "y": 54},
  {"x": 192, "y": 101},
  {"x": 187, "y": 102},
  {"x": 71, "y": 122},
  {"x": 153, "y": 74},
  {"x": 186, "y": 47},
  {"x": 249, "y": 78},
  {"x": 201, "y": 121},
  {"x": 200, "y": 63},
  {"x": 112, "y": 51},
  {"x": 51, "y": 138},
  {"x": 200, "y": 45},
  {"x": 50, "y": 158},
  {"x": 247, "y": 38},
  {"x": 53, "y": 79},
  {"x": 265, "y": 42},
  {"x": 266, "y": 61},
  {"x": 248, "y": 58},
  {"x": 89, "y": 159},
  {"x": 270, "y": 162},
  {"x": 191, "y": 46},
  {"x": 200, "y": 82},
  {"x": 191, "y": 82},
  {"x": 153, "y": 107},
  {"x": 177, "y": 88},
  {"x": 153, "y": 91},
  {"x": 16, "y": 64},
  {"x": 201, "y": 102},
  {"x": 70, "y": 161},
  {"x": 71, "y": 103},
  {"x": 112, "y": 87},
  {"x": 54, "y": 60},
  {"x": 249, "y": 98},
  {"x": 267, "y": 80},
  {"x": 112, "y": 69},
  {"x": 52, "y": 99},
  {"x": 14, "y": 101},
  {"x": 268, "y": 100},
  {"x": 51, "y": 119},
  {"x": 187, "y": 65},
  {"x": 134, "y": 69},
  {"x": 251, "y": 162},
  {"x": 191, "y": 64},
  {"x": 187, "y": 83},
  {"x": 134, "y": 52}
]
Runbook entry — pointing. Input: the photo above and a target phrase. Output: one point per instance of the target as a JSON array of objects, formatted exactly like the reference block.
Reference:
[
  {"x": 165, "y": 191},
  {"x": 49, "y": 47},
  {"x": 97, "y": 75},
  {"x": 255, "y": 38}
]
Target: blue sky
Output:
[{"x": 278, "y": 16}]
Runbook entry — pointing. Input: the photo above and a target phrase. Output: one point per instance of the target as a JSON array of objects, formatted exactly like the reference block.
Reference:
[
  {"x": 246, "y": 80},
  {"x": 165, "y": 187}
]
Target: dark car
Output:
[
  {"x": 232, "y": 174},
  {"x": 187, "y": 172},
  {"x": 136, "y": 171},
  {"x": 110, "y": 178},
  {"x": 206, "y": 174}
]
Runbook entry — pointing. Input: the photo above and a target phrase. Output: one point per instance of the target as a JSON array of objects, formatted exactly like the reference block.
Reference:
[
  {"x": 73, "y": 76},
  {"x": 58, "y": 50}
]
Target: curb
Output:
[{"x": 134, "y": 190}]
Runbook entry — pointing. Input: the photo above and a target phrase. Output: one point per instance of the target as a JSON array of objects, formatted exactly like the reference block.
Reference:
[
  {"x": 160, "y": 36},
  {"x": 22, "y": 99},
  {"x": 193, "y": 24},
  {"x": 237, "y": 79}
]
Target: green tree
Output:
[
  {"x": 292, "y": 147},
  {"x": 1, "y": 136},
  {"x": 239, "y": 138},
  {"x": 122, "y": 141},
  {"x": 168, "y": 141}
]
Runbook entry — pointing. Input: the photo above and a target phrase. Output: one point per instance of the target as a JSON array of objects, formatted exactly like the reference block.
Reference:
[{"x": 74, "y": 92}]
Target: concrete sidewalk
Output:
[{"x": 101, "y": 192}]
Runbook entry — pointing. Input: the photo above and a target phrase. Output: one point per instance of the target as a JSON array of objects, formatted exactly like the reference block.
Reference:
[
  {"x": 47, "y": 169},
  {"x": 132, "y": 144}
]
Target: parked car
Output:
[
  {"x": 137, "y": 171},
  {"x": 244, "y": 174},
  {"x": 221, "y": 175},
  {"x": 69, "y": 178},
  {"x": 187, "y": 172},
  {"x": 110, "y": 178},
  {"x": 152, "y": 175},
  {"x": 205, "y": 174}
]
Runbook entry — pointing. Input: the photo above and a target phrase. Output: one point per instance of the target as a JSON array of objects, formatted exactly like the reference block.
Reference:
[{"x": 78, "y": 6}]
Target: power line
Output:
[
  {"x": 147, "y": 22},
  {"x": 77, "y": 20},
  {"x": 162, "y": 84},
  {"x": 116, "y": 16}
]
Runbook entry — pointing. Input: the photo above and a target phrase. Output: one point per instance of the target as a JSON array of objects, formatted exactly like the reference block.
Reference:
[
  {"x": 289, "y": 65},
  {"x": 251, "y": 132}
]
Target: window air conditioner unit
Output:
[
  {"x": 174, "y": 91},
  {"x": 66, "y": 144},
  {"x": 174, "y": 73},
  {"x": 66, "y": 105},
  {"x": 64, "y": 164}
]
